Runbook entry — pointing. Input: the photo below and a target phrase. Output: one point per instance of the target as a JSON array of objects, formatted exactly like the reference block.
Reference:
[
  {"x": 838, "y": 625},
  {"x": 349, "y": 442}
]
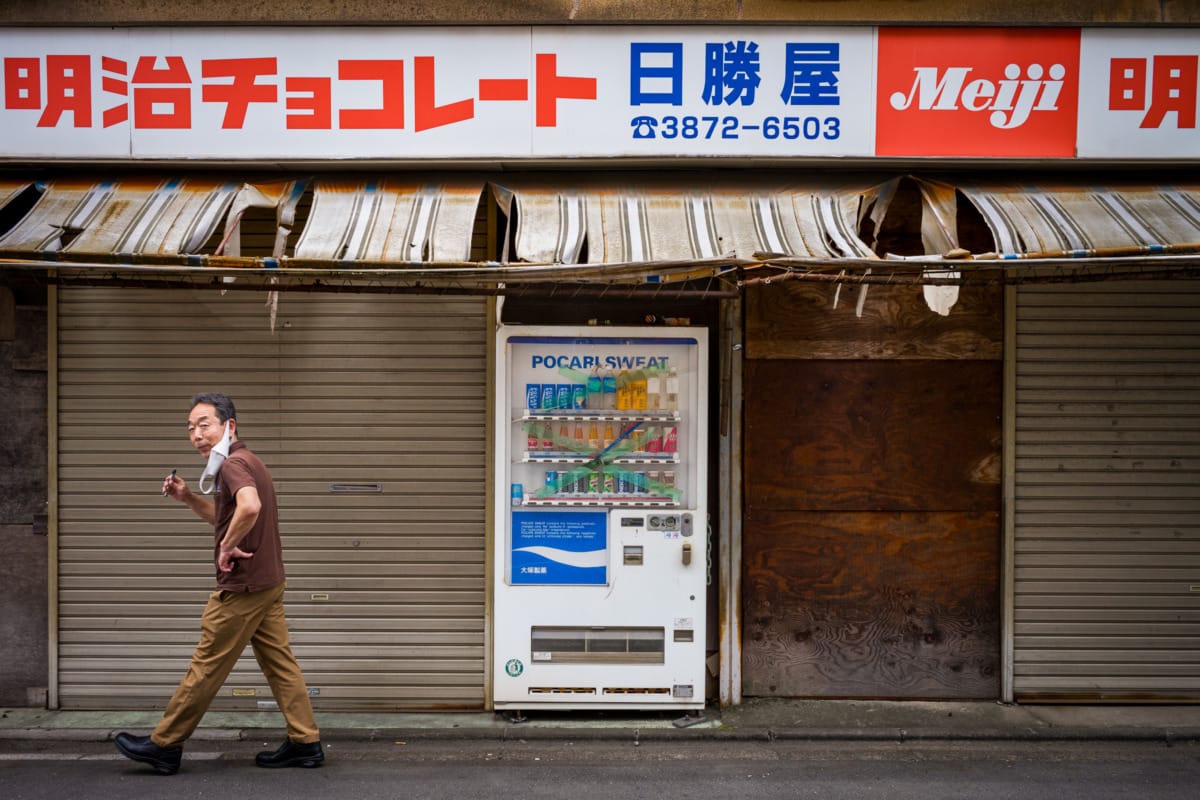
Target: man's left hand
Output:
[{"x": 227, "y": 559}]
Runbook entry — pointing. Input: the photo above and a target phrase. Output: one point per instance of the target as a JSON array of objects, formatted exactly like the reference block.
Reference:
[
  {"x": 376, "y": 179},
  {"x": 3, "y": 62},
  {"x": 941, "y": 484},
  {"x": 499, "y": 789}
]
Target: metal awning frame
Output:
[{"x": 713, "y": 278}]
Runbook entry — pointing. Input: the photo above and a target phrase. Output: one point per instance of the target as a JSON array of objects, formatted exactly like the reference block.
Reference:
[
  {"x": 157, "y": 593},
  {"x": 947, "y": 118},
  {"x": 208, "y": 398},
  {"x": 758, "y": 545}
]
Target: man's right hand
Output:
[{"x": 175, "y": 487}]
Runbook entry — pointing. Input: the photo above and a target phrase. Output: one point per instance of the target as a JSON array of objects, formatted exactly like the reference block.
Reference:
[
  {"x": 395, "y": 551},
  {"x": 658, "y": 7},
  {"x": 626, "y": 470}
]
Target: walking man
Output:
[{"x": 247, "y": 606}]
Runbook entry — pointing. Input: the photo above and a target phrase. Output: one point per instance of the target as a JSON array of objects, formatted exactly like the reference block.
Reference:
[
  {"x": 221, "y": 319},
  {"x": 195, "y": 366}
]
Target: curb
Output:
[{"x": 519, "y": 733}]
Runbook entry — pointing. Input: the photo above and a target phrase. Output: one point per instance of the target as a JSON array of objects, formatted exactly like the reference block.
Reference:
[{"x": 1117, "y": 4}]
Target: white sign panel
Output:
[
  {"x": 790, "y": 92},
  {"x": 389, "y": 93},
  {"x": 1138, "y": 95}
]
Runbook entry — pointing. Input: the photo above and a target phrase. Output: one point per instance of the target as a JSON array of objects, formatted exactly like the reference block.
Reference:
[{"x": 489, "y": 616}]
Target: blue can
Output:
[
  {"x": 624, "y": 483},
  {"x": 549, "y": 396},
  {"x": 552, "y": 480},
  {"x": 518, "y": 494},
  {"x": 533, "y": 396},
  {"x": 563, "y": 396},
  {"x": 578, "y": 395}
]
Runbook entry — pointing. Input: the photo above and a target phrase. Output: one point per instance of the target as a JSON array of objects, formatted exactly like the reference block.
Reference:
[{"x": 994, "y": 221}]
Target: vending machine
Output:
[{"x": 601, "y": 547}]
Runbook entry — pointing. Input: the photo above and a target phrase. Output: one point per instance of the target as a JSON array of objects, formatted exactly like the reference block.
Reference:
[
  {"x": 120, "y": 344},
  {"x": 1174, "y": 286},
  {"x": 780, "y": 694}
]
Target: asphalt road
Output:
[{"x": 463, "y": 770}]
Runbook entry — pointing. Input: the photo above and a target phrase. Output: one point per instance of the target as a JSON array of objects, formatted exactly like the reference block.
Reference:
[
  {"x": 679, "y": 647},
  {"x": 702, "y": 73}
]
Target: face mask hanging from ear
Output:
[{"x": 216, "y": 458}]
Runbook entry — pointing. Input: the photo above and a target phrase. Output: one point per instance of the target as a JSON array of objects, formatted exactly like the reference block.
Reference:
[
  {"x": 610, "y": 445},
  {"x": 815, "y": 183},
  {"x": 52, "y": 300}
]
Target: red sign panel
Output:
[{"x": 986, "y": 92}]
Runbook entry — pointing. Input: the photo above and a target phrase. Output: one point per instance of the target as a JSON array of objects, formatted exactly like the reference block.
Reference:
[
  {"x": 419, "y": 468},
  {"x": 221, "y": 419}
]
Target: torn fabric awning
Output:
[
  {"x": 606, "y": 219},
  {"x": 1068, "y": 220},
  {"x": 479, "y": 233}
]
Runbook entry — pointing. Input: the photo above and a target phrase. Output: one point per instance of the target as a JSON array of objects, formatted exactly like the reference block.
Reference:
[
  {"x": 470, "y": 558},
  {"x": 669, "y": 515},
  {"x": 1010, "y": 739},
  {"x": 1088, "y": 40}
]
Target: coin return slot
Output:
[
  {"x": 633, "y": 554},
  {"x": 685, "y": 635}
]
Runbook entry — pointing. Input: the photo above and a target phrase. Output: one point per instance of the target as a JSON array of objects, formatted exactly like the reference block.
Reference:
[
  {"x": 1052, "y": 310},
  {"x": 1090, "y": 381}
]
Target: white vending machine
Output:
[{"x": 601, "y": 551}]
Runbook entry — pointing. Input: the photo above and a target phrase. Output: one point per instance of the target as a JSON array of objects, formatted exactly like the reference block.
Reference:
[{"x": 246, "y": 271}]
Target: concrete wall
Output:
[
  {"x": 23, "y": 569},
  {"x": 503, "y": 12}
]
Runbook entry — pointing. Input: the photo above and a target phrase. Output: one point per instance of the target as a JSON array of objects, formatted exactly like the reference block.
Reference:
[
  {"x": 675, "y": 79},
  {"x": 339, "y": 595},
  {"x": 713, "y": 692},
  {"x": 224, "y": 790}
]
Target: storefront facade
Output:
[{"x": 890, "y": 514}]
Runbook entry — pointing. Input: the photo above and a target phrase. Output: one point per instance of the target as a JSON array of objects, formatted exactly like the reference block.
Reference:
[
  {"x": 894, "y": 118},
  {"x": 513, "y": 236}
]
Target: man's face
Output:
[{"x": 205, "y": 429}]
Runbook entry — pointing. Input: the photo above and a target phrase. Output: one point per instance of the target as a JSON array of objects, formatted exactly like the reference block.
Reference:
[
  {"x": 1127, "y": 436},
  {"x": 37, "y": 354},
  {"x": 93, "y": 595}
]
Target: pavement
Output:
[{"x": 756, "y": 719}]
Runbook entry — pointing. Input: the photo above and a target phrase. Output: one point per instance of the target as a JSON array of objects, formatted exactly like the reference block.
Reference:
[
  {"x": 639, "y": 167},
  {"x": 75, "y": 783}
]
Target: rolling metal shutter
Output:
[
  {"x": 1107, "y": 501},
  {"x": 370, "y": 411}
]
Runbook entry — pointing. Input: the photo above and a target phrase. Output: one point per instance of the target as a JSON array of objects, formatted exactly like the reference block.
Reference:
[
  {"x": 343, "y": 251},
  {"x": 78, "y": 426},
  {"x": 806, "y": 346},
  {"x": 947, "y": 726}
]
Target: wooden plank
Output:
[
  {"x": 797, "y": 320},
  {"x": 873, "y": 435},
  {"x": 896, "y": 605}
]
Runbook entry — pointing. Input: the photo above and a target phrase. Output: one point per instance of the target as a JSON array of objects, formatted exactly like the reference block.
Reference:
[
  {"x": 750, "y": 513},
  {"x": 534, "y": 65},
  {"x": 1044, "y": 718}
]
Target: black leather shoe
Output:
[
  {"x": 165, "y": 760},
  {"x": 292, "y": 754}
]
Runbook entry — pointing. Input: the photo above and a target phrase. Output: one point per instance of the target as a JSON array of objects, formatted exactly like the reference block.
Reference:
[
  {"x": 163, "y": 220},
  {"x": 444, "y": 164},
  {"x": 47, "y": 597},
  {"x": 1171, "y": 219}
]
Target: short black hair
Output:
[{"x": 219, "y": 401}]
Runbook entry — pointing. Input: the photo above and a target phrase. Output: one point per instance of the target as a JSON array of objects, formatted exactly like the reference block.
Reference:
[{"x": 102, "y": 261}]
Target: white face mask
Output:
[{"x": 216, "y": 457}]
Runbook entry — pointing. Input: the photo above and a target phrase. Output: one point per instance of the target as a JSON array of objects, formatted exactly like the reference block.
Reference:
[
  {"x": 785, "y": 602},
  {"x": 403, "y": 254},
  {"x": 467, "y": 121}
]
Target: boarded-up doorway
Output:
[{"x": 872, "y": 521}]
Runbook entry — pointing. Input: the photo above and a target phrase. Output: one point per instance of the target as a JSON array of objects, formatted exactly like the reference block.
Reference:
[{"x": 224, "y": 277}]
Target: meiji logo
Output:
[
  {"x": 977, "y": 92},
  {"x": 1011, "y": 100}
]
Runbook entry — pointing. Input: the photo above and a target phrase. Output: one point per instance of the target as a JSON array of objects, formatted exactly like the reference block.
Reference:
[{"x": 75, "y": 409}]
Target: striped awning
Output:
[
  {"x": 1061, "y": 220},
  {"x": 140, "y": 217},
  {"x": 603, "y": 220},
  {"x": 491, "y": 233},
  {"x": 390, "y": 220}
]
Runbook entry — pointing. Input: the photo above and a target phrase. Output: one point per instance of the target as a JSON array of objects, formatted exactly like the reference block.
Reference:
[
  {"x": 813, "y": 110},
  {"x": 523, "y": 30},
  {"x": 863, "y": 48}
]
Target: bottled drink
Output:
[
  {"x": 594, "y": 389},
  {"x": 609, "y": 393},
  {"x": 671, "y": 401},
  {"x": 609, "y": 434},
  {"x": 653, "y": 391},
  {"x": 624, "y": 391},
  {"x": 638, "y": 391},
  {"x": 593, "y": 440},
  {"x": 670, "y": 441}
]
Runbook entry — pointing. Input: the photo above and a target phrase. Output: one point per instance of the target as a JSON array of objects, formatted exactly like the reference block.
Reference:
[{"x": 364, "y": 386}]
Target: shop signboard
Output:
[{"x": 542, "y": 92}]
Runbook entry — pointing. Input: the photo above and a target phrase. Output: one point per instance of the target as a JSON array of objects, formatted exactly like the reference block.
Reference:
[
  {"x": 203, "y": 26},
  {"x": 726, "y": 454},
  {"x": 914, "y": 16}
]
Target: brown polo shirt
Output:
[{"x": 241, "y": 469}]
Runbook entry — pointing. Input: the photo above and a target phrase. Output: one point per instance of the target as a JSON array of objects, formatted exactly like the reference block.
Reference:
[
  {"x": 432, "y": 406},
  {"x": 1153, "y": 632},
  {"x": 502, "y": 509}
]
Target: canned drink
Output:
[
  {"x": 549, "y": 403},
  {"x": 639, "y": 481},
  {"x": 652, "y": 478},
  {"x": 518, "y": 494},
  {"x": 610, "y": 483},
  {"x": 578, "y": 395},
  {"x": 552, "y": 480},
  {"x": 593, "y": 483},
  {"x": 624, "y": 483},
  {"x": 669, "y": 479},
  {"x": 533, "y": 402},
  {"x": 562, "y": 396}
]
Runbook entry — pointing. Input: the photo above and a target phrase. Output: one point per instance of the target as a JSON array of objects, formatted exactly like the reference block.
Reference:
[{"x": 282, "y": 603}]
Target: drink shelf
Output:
[
  {"x": 597, "y": 415},
  {"x": 612, "y": 500},
  {"x": 530, "y": 457}
]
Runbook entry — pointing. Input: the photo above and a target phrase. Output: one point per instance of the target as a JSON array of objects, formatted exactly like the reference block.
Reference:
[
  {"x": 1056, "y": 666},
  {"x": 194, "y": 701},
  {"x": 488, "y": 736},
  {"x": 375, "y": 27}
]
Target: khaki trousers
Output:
[{"x": 230, "y": 621}]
